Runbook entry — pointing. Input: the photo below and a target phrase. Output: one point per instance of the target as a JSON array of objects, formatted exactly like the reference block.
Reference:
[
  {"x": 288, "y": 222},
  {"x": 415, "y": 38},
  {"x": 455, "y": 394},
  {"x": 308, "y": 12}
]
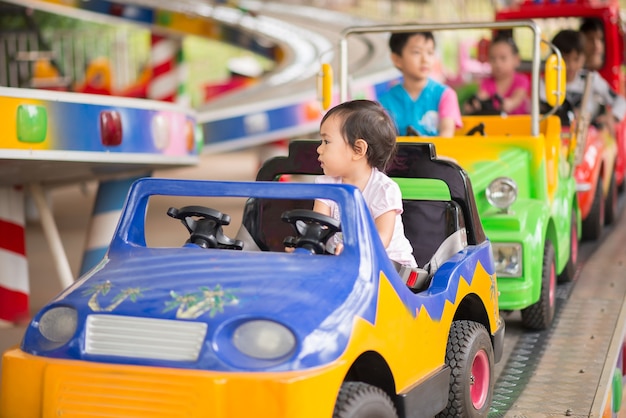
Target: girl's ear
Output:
[{"x": 360, "y": 148}]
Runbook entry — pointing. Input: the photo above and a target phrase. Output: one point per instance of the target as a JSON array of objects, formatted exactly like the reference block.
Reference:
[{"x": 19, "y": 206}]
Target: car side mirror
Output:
[
  {"x": 325, "y": 85},
  {"x": 555, "y": 80}
]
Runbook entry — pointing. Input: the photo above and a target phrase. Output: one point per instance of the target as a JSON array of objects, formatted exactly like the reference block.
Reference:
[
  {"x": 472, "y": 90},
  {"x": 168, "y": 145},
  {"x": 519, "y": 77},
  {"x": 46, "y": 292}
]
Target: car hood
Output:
[
  {"x": 311, "y": 295},
  {"x": 249, "y": 282}
]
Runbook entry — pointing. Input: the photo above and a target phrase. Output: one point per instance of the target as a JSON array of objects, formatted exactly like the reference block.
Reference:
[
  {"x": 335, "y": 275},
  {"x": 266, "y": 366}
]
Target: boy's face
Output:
[
  {"x": 574, "y": 62},
  {"x": 593, "y": 42},
  {"x": 418, "y": 56}
]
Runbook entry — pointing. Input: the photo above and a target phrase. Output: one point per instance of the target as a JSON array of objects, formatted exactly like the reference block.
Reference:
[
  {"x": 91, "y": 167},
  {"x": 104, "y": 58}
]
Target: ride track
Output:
[{"x": 566, "y": 370}]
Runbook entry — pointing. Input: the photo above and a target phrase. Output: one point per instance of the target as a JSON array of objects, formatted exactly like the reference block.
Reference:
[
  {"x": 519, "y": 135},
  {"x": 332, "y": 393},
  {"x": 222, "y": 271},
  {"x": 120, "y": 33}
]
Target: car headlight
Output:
[
  {"x": 263, "y": 339},
  {"x": 502, "y": 192},
  {"x": 58, "y": 324},
  {"x": 508, "y": 259}
]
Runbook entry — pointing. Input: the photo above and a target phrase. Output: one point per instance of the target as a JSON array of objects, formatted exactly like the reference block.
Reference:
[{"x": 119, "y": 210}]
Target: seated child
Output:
[
  {"x": 570, "y": 43},
  {"x": 358, "y": 141},
  {"x": 505, "y": 82},
  {"x": 592, "y": 31},
  {"x": 428, "y": 107}
]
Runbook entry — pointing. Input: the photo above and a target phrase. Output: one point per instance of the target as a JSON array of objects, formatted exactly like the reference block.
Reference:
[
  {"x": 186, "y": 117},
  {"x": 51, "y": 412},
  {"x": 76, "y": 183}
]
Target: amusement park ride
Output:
[{"x": 70, "y": 132}]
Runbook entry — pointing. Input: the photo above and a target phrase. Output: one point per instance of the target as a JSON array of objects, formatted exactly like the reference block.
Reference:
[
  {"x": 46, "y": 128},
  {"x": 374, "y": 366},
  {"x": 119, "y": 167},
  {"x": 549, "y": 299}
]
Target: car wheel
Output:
[
  {"x": 568, "y": 273},
  {"x": 610, "y": 205},
  {"x": 469, "y": 355},
  {"x": 594, "y": 222},
  {"x": 540, "y": 315},
  {"x": 361, "y": 400}
]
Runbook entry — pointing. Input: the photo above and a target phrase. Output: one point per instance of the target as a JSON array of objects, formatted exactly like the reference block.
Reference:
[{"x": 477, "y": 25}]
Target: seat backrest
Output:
[
  {"x": 427, "y": 223},
  {"x": 262, "y": 221}
]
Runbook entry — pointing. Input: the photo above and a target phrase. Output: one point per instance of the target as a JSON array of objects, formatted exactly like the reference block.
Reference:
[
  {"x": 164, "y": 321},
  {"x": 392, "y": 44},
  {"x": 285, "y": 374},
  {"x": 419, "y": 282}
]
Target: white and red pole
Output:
[
  {"x": 164, "y": 59},
  {"x": 14, "y": 285}
]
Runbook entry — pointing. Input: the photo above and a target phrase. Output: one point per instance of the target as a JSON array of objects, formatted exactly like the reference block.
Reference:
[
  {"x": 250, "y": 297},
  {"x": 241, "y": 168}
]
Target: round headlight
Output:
[
  {"x": 502, "y": 192},
  {"x": 58, "y": 324},
  {"x": 262, "y": 339}
]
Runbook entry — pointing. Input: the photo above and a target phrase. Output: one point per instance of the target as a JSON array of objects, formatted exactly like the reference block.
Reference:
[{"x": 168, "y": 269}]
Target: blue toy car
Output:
[{"x": 237, "y": 327}]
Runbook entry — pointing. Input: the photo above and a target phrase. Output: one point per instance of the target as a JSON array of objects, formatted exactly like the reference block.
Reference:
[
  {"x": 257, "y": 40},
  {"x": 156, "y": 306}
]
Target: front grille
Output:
[{"x": 160, "y": 339}]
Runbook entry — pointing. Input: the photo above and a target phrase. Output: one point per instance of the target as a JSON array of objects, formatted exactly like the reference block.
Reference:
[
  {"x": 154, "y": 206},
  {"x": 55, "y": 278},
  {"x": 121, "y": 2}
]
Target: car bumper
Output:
[
  {"x": 515, "y": 293},
  {"x": 34, "y": 386}
]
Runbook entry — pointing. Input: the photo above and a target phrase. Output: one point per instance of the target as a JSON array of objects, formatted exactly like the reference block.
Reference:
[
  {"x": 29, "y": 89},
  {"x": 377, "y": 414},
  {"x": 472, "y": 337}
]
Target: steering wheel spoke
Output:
[
  {"x": 205, "y": 227},
  {"x": 313, "y": 229}
]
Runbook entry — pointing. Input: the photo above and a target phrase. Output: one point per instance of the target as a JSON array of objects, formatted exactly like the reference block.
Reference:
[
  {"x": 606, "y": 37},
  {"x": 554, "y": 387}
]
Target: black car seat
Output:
[
  {"x": 436, "y": 230},
  {"x": 262, "y": 228}
]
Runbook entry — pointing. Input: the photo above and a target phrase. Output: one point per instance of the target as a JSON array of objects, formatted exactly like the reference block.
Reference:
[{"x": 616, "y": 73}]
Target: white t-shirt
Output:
[
  {"x": 601, "y": 94},
  {"x": 381, "y": 195}
]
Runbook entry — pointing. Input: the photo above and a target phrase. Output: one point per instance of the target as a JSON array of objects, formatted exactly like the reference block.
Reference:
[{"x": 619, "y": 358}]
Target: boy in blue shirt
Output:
[{"x": 419, "y": 103}]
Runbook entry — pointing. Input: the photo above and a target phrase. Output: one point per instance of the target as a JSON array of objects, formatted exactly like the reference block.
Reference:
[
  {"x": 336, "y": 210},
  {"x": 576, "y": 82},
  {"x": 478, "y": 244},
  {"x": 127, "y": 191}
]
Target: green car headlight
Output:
[
  {"x": 508, "y": 259},
  {"x": 502, "y": 193},
  {"x": 58, "y": 324},
  {"x": 263, "y": 339}
]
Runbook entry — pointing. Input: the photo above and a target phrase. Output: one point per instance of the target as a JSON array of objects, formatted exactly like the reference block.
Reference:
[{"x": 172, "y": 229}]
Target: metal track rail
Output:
[{"x": 568, "y": 369}]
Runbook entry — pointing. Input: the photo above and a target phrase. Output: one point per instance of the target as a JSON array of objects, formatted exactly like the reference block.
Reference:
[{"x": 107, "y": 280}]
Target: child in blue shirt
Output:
[{"x": 419, "y": 102}]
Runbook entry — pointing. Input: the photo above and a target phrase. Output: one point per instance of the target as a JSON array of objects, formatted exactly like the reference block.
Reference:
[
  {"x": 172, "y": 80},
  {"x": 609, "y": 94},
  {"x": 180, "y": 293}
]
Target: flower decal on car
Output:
[
  {"x": 193, "y": 305},
  {"x": 103, "y": 289}
]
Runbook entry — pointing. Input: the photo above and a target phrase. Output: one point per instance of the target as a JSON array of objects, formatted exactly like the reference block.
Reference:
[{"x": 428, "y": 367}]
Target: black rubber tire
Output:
[
  {"x": 569, "y": 272},
  {"x": 539, "y": 316},
  {"x": 610, "y": 204},
  {"x": 361, "y": 400},
  {"x": 467, "y": 339},
  {"x": 593, "y": 224}
]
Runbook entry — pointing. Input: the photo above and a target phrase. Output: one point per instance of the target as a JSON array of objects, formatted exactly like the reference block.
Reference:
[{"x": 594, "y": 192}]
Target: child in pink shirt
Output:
[{"x": 505, "y": 82}]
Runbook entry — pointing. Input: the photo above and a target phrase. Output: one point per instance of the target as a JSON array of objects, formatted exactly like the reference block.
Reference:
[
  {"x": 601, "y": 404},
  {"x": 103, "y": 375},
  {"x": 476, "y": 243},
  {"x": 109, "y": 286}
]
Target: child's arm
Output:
[
  {"x": 449, "y": 113},
  {"x": 385, "y": 225},
  {"x": 321, "y": 207},
  {"x": 447, "y": 127},
  {"x": 521, "y": 90},
  {"x": 517, "y": 98}
]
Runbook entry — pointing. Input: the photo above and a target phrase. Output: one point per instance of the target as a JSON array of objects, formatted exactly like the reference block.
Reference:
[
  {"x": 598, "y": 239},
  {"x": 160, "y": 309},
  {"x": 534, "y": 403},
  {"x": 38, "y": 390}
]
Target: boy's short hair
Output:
[
  {"x": 367, "y": 120},
  {"x": 568, "y": 41},
  {"x": 591, "y": 24},
  {"x": 398, "y": 40}
]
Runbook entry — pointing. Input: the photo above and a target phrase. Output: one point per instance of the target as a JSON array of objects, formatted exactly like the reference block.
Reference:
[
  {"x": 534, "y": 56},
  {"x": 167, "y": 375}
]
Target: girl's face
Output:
[
  {"x": 335, "y": 154},
  {"x": 503, "y": 60},
  {"x": 417, "y": 59}
]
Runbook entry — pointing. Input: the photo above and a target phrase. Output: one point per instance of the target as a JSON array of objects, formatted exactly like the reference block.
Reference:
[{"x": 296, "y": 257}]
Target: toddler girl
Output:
[
  {"x": 358, "y": 141},
  {"x": 512, "y": 87}
]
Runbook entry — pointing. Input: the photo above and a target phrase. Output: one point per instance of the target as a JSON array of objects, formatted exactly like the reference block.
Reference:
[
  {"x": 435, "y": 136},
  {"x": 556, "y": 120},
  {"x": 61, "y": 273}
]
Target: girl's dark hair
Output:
[
  {"x": 568, "y": 41},
  {"x": 367, "y": 120},
  {"x": 398, "y": 40},
  {"x": 505, "y": 38}
]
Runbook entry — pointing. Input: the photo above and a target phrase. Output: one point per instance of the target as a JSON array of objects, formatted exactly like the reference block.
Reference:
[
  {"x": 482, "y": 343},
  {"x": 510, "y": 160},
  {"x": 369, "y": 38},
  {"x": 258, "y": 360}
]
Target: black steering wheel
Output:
[
  {"x": 205, "y": 226},
  {"x": 313, "y": 229},
  {"x": 478, "y": 129},
  {"x": 411, "y": 131},
  {"x": 487, "y": 107}
]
